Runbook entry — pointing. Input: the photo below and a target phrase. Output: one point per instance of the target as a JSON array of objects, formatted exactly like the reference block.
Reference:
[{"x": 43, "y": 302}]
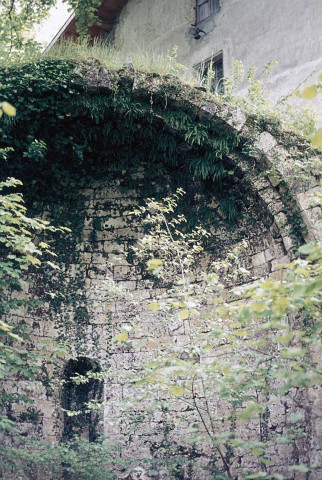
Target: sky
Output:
[{"x": 58, "y": 16}]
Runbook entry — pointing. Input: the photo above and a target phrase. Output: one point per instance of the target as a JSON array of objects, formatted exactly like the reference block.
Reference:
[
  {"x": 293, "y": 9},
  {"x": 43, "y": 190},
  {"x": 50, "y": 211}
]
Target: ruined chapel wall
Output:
[{"x": 101, "y": 254}]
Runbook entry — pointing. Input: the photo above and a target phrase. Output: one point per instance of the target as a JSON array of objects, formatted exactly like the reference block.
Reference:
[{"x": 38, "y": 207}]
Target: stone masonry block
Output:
[
  {"x": 288, "y": 243},
  {"x": 304, "y": 198},
  {"x": 259, "y": 259},
  {"x": 265, "y": 142}
]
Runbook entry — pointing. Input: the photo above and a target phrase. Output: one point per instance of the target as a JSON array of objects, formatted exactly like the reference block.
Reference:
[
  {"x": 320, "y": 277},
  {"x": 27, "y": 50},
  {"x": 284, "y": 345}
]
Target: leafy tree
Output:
[
  {"x": 20, "y": 17},
  {"x": 21, "y": 252}
]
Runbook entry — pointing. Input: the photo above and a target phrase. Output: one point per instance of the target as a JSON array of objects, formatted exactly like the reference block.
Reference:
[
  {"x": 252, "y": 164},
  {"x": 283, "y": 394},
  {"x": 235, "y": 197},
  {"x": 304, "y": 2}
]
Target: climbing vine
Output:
[
  {"x": 72, "y": 136},
  {"x": 65, "y": 136}
]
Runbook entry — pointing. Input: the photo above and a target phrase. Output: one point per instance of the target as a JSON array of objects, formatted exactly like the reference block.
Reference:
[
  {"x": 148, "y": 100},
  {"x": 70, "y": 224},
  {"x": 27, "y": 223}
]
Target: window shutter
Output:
[
  {"x": 203, "y": 10},
  {"x": 206, "y": 8}
]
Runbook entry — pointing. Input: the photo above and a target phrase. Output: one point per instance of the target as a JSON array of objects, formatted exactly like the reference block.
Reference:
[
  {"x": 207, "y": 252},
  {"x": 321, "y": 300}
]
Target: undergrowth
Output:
[
  {"x": 289, "y": 112},
  {"x": 110, "y": 58}
]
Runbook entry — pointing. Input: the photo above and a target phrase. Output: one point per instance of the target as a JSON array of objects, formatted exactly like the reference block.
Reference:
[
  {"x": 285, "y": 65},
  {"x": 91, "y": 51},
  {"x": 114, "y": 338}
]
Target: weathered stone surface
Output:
[{"x": 104, "y": 254}]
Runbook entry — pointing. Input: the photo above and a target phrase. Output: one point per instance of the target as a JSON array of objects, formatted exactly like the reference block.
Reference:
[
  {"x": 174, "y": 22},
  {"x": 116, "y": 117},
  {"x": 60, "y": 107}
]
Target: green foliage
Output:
[
  {"x": 85, "y": 13},
  {"x": 15, "y": 236},
  {"x": 8, "y": 109},
  {"x": 19, "y": 255},
  {"x": 309, "y": 93},
  {"x": 176, "y": 251},
  {"x": 60, "y": 124},
  {"x": 256, "y": 100},
  {"x": 81, "y": 460},
  {"x": 20, "y": 17},
  {"x": 75, "y": 460},
  {"x": 257, "y": 346},
  {"x": 242, "y": 357},
  {"x": 285, "y": 112},
  {"x": 36, "y": 150},
  {"x": 143, "y": 61}
]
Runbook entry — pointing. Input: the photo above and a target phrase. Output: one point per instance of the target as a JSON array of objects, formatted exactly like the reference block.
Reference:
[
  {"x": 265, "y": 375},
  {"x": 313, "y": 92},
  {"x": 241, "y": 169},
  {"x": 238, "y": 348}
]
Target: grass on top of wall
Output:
[
  {"x": 301, "y": 119},
  {"x": 287, "y": 113},
  {"x": 110, "y": 58}
]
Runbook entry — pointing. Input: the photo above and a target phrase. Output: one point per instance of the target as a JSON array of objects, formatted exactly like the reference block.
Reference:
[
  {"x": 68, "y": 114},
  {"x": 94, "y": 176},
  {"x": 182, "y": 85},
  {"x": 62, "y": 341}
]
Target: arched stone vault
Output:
[
  {"x": 272, "y": 151},
  {"x": 264, "y": 168}
]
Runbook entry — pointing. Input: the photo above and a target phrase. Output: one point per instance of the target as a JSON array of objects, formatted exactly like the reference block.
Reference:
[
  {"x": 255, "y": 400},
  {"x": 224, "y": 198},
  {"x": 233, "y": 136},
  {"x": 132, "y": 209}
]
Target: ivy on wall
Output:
[{"x": 65, "y": 136}]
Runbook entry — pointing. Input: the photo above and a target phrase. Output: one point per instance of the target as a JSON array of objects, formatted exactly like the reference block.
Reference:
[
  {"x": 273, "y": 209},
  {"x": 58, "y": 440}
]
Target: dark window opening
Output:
[
  {"x": 211, "y": 73},
  {"x": 206, "y": 8},
  {"x": 76, "y": 396}
]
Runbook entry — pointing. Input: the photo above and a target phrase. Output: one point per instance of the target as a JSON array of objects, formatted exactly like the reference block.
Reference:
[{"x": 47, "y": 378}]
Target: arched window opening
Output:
[{"x": 76, "y": 395}]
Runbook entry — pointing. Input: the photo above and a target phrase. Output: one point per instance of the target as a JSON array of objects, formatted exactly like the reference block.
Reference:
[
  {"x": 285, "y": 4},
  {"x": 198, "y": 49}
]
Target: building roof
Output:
[{"x": 106, "y": 15}]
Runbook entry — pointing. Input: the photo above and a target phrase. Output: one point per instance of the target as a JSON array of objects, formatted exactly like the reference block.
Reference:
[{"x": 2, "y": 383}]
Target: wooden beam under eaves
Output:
[{"x": 107, "y": 15}]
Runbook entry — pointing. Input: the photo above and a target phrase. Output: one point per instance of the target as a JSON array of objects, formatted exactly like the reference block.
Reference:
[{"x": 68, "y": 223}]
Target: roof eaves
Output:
[{"x": 59, "y": 33}]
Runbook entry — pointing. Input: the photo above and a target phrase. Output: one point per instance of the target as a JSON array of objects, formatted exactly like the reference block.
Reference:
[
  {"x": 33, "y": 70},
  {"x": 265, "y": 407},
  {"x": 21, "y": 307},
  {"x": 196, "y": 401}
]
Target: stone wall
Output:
[
  {"x": 103, "y": 257},
  {"x": 101, "y": 254}
]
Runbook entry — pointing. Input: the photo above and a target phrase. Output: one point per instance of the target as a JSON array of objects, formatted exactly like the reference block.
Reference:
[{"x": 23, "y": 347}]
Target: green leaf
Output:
[
  {"x": 122, "y": 337},
  {"x": 251, "y": 409},
  {"x": 153, "y": 473},
  {"x": 184, "y": 314},
  {"x": 299, "y": 468},
  {"x": 284, "y": 338},
  {"x": 309, "y": 92},
  {"x": 257, "y": 452},
  {"x": 153, "y": 263},
  {"x": 307, "y": 248},
  {"x": 240, "y": 333},
  {"x": 154, "y": 307},
  {"x": 293, "y": 352},
  {"x": 259, "y": 307},
  {"x": 177, "y": 391},
  {"x": 245, "y": 313},
  {"x": 8, "y": 109}
]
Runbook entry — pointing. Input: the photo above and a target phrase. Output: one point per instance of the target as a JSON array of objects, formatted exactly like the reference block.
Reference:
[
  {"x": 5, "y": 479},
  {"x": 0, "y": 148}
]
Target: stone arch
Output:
[
  {"x": 266, "y": 167},
  {"x": 76, "y": 395}
]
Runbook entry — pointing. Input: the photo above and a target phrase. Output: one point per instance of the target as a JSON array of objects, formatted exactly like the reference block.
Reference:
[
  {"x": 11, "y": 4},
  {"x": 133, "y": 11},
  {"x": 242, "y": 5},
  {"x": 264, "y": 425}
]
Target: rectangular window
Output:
[
  {"x": 210, "y": 73},
  {"x": 206, "y": 8}
]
